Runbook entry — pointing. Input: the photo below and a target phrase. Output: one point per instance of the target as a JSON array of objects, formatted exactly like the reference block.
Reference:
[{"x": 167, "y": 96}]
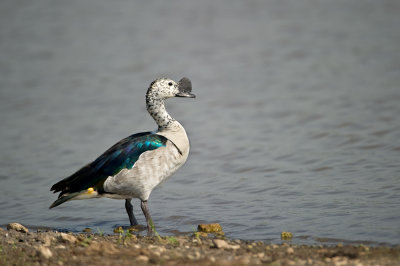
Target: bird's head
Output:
[{"x": 164, "y": 88}]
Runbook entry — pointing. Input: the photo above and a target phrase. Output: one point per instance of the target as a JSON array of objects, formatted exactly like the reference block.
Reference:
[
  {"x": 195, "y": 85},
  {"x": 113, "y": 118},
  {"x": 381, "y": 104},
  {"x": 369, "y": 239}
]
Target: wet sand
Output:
[{"x": 56, "y": 248}]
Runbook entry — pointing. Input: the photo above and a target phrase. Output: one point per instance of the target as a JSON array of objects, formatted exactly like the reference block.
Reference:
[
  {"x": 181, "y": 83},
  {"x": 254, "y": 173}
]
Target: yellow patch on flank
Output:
[{"x": 90, "y": 190}]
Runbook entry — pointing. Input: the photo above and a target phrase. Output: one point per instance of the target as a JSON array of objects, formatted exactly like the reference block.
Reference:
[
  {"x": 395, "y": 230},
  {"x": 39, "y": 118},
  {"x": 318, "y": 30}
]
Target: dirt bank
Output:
[{"x": 55, "y": 248}]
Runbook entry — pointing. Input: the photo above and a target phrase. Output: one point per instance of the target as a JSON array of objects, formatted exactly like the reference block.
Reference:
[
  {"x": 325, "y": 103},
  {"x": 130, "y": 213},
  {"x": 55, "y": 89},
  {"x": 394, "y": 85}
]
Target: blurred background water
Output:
[{"x": 296, "y": 124}]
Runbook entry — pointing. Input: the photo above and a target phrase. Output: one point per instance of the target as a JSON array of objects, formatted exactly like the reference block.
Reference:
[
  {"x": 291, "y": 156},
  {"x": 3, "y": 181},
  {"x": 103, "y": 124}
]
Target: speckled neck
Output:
[{"x": 156, "y": 109}]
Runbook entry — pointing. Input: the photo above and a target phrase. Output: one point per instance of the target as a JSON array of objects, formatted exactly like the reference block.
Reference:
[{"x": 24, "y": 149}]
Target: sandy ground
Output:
[{"x": 19, "y": 247}]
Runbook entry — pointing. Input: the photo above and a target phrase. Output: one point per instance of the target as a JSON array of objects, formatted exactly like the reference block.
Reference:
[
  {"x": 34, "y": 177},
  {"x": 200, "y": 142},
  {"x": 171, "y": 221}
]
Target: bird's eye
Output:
[{"x": 169, "y": 83}]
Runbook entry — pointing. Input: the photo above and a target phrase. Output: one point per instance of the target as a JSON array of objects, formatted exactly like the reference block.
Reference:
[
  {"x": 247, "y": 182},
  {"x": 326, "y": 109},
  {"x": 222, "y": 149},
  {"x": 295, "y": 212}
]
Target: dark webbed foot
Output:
[
  {"x": 129, "y": 210},
  {"x": 150, "y": 225}
]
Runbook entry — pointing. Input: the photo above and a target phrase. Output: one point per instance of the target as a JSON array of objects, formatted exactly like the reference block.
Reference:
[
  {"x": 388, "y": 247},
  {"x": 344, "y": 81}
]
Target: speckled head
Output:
[{"x": 164, "y": 88}]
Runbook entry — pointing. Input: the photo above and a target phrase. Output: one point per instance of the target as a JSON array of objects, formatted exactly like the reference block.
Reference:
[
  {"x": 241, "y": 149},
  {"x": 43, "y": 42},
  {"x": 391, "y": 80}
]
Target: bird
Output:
[{"x": 135, "y": 165}]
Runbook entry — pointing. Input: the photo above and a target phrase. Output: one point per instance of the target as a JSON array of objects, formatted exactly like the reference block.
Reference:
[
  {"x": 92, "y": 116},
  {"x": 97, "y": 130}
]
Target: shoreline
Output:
[{"x": 19, "y": 246}]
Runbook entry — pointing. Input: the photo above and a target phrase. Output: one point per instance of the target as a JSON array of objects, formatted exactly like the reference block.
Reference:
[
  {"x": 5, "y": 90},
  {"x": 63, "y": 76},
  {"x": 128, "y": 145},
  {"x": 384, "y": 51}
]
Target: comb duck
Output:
[{"x": 134, "y": 166}]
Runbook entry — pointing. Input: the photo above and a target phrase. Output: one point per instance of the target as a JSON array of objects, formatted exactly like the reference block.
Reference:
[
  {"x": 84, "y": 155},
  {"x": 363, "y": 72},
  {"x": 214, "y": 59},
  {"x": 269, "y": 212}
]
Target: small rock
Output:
[
  {"x": 102, "y": 248},
  {"x": 209, "y": 228},
  {"x": 220, "y": 243},
  {"x": 47, "y": 239},
  {"x": 181, "y": 240},
  {"x": 265, "y": 259},
  {"x": 67, "y": 238},
  {"x": 290, "y": 250},
  {"x": 142, "y": 259},
  {"x": 17, "y": 227},
  {"x": 339, "y": 261},
  {"x": 161, "y": 249},
  {"x": 260, "y": 255},
  {"x": 245, "y": 260},
  {"x": 195, "y": 256},
  {"x": 286, "y": 235},
  {"x": 45, "y": 252},
  {"x": 156, "y": 250},
  {"x": 87, "y": 230}
]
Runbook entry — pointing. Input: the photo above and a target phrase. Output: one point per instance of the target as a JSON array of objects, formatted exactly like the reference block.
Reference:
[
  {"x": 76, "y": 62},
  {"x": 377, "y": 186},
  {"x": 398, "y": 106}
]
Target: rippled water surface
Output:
[{"x": 296, "y": 124}]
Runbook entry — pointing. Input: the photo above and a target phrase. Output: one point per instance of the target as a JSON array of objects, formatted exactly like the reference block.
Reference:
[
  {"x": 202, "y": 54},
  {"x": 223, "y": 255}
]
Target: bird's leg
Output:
[
  {"x": 150, "y": 225},
  {"x": 129, "y": 210}
]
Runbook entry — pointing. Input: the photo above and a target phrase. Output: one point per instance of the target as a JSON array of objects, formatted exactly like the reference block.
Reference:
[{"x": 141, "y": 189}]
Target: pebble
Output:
[
  {"x": 339, "y": 261},
  {"x": 195, "y": 256},
  {"x": 181, "y": 240},
  {"x": 44, "y": 252},
  {"x": 142, "y": 259},
  {"x": 234, "y": 247},
  {"x": 67, "y": 238},
  {"x": 17, "y": 227},
  {"x": 102, "y": 247},
  {"x": 290, "y": 250},
  {"x": 220, "y": 243},
  {"x": 46, "y": 239},
  {"x": 245, "y": 259},
  {"x": 157, "y": 250},
  {"x": 260, "y": 255}
]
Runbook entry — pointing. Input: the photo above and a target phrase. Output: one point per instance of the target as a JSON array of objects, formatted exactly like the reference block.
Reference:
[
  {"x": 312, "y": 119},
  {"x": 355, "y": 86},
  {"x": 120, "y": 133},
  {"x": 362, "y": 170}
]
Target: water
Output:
[{"x": 296, "y": 124}]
